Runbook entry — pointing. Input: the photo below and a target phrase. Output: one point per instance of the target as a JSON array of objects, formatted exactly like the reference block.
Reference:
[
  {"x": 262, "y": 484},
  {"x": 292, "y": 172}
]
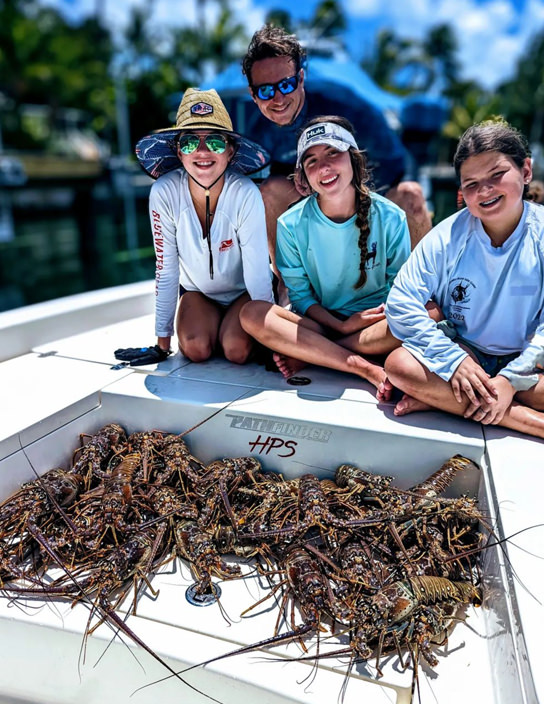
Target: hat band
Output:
[{"x": 202, "y": 125}]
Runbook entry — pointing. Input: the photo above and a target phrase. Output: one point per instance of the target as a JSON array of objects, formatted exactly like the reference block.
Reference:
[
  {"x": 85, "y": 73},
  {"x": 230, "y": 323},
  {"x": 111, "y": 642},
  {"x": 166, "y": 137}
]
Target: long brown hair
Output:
[{"x": 361, "y": 178}]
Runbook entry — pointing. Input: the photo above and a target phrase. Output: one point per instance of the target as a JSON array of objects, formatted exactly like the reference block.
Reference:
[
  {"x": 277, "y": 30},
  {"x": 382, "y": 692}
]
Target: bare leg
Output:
[
  {"x": 407, "y": 374},
  {"x": 282, "y": 331},
  {"x": 378, "y": 340},
  {"x": 375, "y": 339},
  {"x": 289, "y": 366},
  {"x": 197, "y": 324},
  {"x": 408, "y": 195},
  {"x": 236, "y": 343}
]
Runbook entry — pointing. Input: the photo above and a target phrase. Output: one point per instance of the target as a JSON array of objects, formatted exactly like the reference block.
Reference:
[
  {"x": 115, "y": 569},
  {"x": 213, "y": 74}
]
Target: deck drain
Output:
[
  {"x": 299, "y": 381},
  {"x": 196, "y": 599}
]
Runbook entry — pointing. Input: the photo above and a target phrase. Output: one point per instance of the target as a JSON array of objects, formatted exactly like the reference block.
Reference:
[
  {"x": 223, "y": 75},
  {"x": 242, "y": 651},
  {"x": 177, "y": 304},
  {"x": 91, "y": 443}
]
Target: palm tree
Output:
[{"x": 476, "y": 106}]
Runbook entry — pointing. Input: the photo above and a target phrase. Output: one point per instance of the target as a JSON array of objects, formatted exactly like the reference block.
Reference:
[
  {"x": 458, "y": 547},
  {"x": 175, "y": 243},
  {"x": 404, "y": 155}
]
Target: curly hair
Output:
[
  {"x": 360, "y": 181},
  {"x": 271, "y": 41},
  {"x": 494, "y": 135}
]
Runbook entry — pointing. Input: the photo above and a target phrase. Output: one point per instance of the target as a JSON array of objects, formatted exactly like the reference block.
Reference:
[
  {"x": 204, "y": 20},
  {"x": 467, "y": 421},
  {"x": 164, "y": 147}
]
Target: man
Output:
[{"x": 273, "y": 66}]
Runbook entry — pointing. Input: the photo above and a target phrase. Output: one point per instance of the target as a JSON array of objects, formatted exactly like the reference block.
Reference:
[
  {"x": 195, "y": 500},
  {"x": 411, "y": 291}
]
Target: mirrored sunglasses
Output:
[
  {"x": 189, "y": 143},
  {"x": 266, "y": 91}
]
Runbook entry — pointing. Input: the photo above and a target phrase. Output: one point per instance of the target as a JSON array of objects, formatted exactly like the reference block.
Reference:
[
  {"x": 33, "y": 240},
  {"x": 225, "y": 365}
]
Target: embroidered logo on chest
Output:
[{"x": 225, "y": 244}]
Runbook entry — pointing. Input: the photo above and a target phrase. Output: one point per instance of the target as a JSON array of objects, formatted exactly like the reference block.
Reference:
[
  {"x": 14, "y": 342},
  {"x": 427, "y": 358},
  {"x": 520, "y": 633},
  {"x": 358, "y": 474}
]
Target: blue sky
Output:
[{"x": 492, "y": 34}]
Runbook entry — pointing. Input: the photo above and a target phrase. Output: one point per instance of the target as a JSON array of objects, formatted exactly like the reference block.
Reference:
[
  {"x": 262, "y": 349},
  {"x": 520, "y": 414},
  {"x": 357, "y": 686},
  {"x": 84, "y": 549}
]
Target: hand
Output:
[
  {"x": 362, "y": 319},
  {"x": 493, "y": 413},
  {"x": 164, "y": 343},
  {"x": 471, "y": 381}
]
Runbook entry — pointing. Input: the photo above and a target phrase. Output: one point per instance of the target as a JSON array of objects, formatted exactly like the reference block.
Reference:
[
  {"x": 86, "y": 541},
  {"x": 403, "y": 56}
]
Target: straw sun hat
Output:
[{"x": 198, "y": 110}]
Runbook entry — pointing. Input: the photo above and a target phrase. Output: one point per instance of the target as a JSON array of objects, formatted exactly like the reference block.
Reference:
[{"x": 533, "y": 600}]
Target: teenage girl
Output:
[
  {"x": 484, "y": 268},
  {"x": 338, "y": 251},
  {"x": 209, "y": 229}
]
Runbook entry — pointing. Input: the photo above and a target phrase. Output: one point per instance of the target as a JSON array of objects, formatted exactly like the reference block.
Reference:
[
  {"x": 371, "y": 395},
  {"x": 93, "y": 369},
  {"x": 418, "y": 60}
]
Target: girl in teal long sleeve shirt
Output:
[
  {"x": 338, "y": 252},
  {"x": 319, "y": 259}
]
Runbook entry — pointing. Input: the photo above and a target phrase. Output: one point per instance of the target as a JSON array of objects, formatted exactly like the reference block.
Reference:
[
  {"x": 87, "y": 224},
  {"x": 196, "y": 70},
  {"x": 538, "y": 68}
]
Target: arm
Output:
[
  {"x": 291, "y": 267},
  {"x": 417, "y": 282},
  {"x": 166, "y": 262},
  {"x": 355, "y": 322},
  {"x": 522, "y": 372},
  {"x": 254, "y": 246}
]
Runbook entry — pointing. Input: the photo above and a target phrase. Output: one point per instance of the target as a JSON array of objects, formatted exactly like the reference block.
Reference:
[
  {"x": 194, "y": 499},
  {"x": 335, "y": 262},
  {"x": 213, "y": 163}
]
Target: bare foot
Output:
[
  {"x": 409, "y": 404},
  {"x": 288, "y": 366},
  {"x": 374, "y": 373},
  {"x": 385, "y": 391}
]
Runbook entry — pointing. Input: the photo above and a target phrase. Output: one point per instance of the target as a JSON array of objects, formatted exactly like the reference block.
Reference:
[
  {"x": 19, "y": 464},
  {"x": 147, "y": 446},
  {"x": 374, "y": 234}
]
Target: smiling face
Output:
[
  {"x": 281, "y": 109},
  {"x": 328, "y": 171},
  {"x": 204, "y": 165},
  {"x": 492, "y": 187}
]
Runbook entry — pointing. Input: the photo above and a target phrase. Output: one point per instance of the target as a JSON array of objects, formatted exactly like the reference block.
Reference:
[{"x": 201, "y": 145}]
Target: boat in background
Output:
[{"x": 59, "y": 379}]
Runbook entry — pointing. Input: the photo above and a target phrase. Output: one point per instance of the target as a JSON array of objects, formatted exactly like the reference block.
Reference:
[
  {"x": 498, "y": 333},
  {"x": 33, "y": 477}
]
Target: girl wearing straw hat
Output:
[{"x": 209, "y": 229}]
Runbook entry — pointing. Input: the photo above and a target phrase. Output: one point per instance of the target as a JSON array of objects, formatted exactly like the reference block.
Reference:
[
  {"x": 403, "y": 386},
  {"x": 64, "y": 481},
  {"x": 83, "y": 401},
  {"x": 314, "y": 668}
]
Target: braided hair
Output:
[{"x": 361, "y": 178}]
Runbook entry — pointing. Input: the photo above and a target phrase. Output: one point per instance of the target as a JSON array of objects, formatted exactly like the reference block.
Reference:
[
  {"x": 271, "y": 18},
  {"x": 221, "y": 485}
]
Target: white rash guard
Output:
[{"x": 238, "y": 237}]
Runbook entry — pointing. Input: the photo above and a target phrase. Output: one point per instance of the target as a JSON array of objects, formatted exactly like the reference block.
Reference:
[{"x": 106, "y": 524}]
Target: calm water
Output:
[{"x": 61, "y": 251}]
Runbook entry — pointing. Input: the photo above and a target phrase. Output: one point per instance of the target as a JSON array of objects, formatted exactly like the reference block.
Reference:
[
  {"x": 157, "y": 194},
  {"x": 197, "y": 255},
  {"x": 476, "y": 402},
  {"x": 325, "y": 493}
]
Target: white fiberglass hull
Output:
[{"x": 62, "y": 385}]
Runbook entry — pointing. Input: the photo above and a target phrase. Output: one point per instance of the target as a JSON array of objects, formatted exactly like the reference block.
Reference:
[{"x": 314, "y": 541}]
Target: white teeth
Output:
[
  {"x": 204, "y": 163},
  {"x": 489, "y": 202},
  {"x": 329, "y": 180}
]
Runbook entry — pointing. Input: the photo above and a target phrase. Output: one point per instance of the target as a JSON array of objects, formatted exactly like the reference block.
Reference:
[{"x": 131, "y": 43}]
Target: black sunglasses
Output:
[{"x": 266, "y": 91}]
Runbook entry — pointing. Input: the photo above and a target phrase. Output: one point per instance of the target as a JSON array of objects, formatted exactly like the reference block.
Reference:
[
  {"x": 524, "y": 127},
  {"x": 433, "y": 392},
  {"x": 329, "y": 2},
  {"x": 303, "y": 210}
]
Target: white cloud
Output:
[
  {"x": 491, "y": 34},
  {"x": 364, "y": 8}
]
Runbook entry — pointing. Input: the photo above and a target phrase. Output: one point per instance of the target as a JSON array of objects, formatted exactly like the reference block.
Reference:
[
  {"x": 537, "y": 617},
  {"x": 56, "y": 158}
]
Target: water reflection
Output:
[{"x": 68, "y": 241}]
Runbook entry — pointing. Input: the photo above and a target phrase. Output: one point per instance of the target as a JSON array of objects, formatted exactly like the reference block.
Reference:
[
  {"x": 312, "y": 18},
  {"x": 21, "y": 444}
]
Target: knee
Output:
[
  {"x": 252, "y": 316},
  {"x": 408, "y": 195},
  {"x": 237, "y": 350},
  {"x": 277, "y": 193},
  {"x": 400, "y": 368},
  {"x": 196, "y": 349}
]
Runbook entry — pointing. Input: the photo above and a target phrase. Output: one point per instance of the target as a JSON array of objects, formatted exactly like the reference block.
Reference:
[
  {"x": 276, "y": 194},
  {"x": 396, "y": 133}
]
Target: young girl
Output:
[
  {"x": 338, "y": 252},
  {"x": 484, "y": 267},
  {"x": 209, "y": 229}
]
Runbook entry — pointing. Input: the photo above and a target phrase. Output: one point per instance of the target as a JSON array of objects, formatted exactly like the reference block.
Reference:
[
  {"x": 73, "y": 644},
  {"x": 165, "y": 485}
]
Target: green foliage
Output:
[
  {"x": 522, "y": 97},
  {"x": 329, "y": 19},
  {"x": 403, "y": 66},
  {"x": 45, "y": 62},
  {"x": 280, "y": 18},
  {"x": 476, "y": 107}
]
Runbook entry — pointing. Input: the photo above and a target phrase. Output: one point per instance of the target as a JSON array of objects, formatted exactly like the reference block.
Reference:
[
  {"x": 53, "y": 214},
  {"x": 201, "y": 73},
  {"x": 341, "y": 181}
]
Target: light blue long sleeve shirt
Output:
[
  {"x": 319, "y": 259},
  {"x": 493, "y": 295}
]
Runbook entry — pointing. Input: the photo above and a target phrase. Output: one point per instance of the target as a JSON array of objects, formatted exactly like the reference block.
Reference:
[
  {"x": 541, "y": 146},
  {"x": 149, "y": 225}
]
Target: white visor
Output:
[{"x": 324, "y": 133}]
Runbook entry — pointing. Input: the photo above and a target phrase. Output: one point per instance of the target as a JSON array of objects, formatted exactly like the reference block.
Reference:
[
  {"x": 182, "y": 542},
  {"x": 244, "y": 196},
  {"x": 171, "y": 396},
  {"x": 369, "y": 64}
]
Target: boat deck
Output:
[{"x": 65, "y": 384}]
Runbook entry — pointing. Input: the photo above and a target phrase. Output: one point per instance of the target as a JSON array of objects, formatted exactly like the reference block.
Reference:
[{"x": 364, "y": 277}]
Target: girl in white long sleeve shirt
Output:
[
  {"x": 209, "y": 229},
  {"x": 484, "y": 268}
]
